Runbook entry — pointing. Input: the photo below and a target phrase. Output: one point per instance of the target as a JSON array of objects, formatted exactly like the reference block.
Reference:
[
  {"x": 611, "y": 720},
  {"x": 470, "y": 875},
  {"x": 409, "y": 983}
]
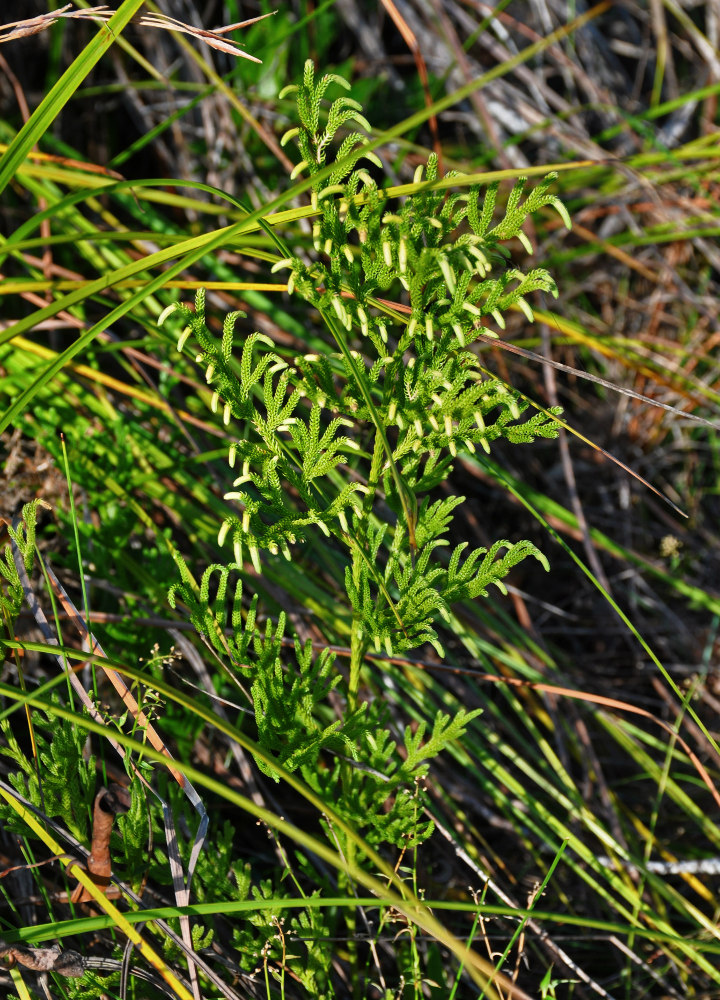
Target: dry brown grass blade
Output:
[
  {"x": 14, "y": 30},
  {"x": 568, "y": 468},
  {"x": 412, "y": 43},
  {"x": 212, "y": 38},
  {"x": 31, "y": 25},
  {"x": 63, "y": 161},
  {"x": 128, "y": 699},
  {"x": 242, "y": 24}
]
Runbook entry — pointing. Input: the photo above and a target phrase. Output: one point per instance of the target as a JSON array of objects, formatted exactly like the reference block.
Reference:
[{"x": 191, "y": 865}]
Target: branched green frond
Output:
[
  {"x": 268, "y": 364},
  {"x": 11, "y": 591},
  {"x": 24, "y": 535},
  {"x": 422, "y": 471},
  {"x": 387, "y": 796},
  {"x": 312, "y": 142},
  {"x": 516, "y": 213},
  {"x": 317, "y": 379},
  {"x": 215, "y": 356},
  {"x": 448, "y": 407},
  {"x": 406, "y": 620},
  {"x": 480, "y": 218},
  {"x": 469, "y": 580},
  {"x": 320, "y": 454},
  {"x": 539, "y": 425},
  {"x": 445, "y": 730},
  {"x": 435, "y": 519},
  {"x": 279, "y": 407},
  {"x": 271, "y": 522},
  {"x": 214, "y": 615},
  {"x": 284, "y": 699}
]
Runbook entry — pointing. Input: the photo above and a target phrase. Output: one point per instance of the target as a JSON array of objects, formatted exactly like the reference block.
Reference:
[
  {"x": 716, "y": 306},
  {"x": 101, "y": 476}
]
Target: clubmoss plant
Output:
[{"x": 353, "y": 442}]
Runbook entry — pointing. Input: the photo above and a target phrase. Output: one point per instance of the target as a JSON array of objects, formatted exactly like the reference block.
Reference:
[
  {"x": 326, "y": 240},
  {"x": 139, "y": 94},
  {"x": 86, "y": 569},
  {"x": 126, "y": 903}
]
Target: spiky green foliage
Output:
[
  {"x": 62, "y": 781},
  {"x": 261, "y": 941},
  {"x": 386, "y": 804},
  {"x": 282, "y": 453},
  {"x": 23, "y": 535},
  {"x": 350, "y": 442},
  {"x": 440, "y": 247}
]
